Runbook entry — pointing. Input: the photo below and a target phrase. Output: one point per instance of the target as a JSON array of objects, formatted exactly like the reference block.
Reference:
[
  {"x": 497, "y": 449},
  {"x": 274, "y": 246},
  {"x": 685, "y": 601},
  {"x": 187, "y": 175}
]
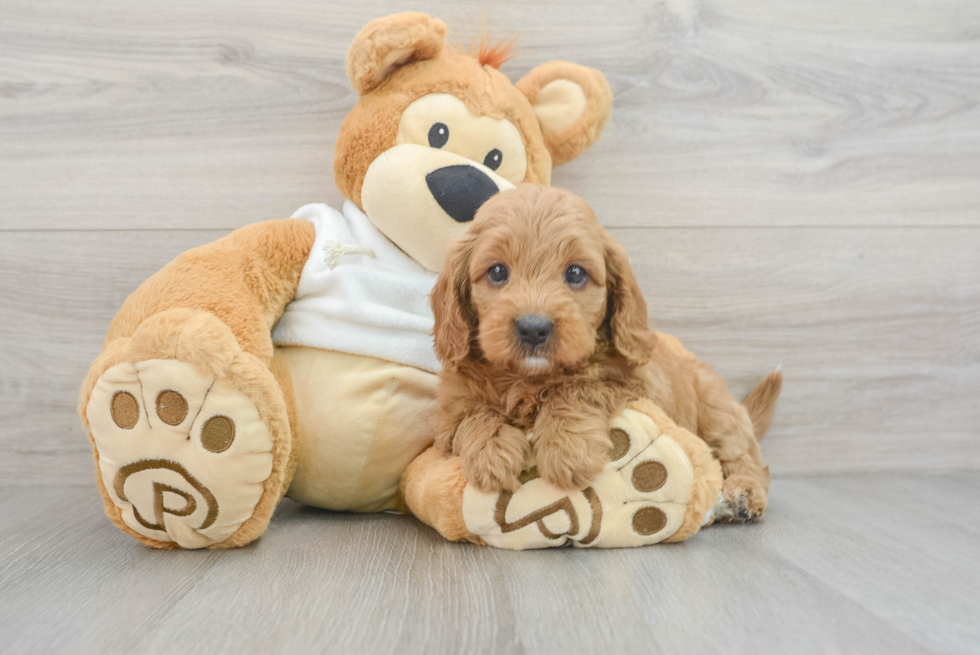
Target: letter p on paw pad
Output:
[{"x": 183, "y": 457}]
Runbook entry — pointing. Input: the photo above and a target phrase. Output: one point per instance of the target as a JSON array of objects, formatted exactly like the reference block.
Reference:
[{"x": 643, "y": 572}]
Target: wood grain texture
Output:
[
  {"x": 876, "y": 331},
  {"x": 837, "y": 567},
  {"x": 60, "y": 291},
  {"x": 186, "y": 114},
  {"x": 796, "y": 183}
]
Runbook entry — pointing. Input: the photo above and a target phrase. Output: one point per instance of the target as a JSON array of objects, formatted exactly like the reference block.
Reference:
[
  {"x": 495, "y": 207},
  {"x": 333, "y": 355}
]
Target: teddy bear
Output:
[{"x": 294, "y": 357}]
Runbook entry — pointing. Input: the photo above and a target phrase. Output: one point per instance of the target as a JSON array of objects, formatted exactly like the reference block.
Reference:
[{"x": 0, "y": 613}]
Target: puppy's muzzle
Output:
[
  {"x": 533, "y": 329},
  {"x": 460, "y": 190}
]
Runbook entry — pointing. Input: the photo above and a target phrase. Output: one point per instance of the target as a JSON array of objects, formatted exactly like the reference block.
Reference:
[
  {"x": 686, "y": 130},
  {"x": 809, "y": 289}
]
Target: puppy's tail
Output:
[{"x": 761, "y": 403}]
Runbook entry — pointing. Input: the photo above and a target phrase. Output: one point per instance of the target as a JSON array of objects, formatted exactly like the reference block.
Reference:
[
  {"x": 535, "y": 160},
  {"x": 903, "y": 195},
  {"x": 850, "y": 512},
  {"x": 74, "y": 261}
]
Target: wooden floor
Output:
[
  {"x": 843, "y": 564},
  {"x": 798, "y": 184}
]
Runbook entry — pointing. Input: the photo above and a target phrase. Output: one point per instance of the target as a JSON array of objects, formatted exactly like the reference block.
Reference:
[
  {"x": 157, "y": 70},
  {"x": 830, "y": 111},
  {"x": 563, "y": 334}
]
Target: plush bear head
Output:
[{"x": 436, "y": 132}]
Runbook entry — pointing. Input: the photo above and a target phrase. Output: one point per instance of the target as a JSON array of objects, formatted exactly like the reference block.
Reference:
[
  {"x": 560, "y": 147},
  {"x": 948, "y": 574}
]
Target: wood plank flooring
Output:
[{"x": 842, "y": 564}]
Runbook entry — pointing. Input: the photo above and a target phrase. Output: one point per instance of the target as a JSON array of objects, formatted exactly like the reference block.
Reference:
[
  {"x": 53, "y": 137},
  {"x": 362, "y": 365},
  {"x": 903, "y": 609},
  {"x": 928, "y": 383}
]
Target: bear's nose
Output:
[
  {"x": 533, "y": 329},
  {"x": 460, "y": 190}
]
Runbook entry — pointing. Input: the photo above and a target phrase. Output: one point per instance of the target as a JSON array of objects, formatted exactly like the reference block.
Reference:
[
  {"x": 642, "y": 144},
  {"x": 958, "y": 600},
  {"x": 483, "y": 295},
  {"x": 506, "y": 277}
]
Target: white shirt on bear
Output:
[{"x": 359, "y": 293}]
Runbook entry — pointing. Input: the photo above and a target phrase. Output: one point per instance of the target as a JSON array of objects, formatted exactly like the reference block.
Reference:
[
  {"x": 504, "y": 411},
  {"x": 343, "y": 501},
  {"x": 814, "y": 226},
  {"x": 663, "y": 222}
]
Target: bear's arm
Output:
[{"x": 244, "y": 279}]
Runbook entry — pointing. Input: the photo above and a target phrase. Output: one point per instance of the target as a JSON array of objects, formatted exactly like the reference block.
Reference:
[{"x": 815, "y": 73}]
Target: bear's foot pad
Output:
[
  {"x": 641, "y": 497},
  {"x": 183, "y": 457}
]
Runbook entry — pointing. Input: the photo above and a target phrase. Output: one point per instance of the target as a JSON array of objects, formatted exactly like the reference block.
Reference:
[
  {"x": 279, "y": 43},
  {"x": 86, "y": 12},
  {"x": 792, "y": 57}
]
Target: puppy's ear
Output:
[
  {"x": 387, "y": 43},
  {"x": 450, "y": 300},
  {"x": 628, "y": 322},
  {"x": 572, "y": 104}
]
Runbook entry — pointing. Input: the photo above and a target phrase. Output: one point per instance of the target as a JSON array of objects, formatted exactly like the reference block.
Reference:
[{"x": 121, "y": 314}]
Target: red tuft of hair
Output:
[{"x": 488, "y": 53}]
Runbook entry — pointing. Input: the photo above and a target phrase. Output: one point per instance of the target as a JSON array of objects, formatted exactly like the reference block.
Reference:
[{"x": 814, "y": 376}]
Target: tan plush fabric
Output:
[
  {"x": 396, "y": 195},
  {"x": 472, "y": 135},
  {"x": 432, "y": 489},
  {"x": 244, "y": 280},
  {"x": 213, "y": 308},
  {"x": 372, "y": 126},
  {"x": 421, "y": 69},
  {"x": 559, "y": 104},
  {"x": 194, "y": 482},
  {"x": 387, "y": 43},
  {"x": 193, "y": 354},
  {"x": 706, "y": 481},
  {"x": 361, "y": 421},
  {"x": 658, "y": 487},
  {"x": 567, "y": 136}
]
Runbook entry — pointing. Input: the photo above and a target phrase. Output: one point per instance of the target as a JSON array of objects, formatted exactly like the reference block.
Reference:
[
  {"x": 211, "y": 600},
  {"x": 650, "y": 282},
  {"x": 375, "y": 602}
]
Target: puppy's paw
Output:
[
  {"x": 571, "y": 461},
  {"x": 495, "y": 463},
  {"x": 745, "y": 500}
]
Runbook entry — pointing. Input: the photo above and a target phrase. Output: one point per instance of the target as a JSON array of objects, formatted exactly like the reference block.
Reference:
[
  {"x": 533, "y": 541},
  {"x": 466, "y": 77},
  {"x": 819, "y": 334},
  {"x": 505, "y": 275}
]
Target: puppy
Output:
[{"x": 544, "y": 337}]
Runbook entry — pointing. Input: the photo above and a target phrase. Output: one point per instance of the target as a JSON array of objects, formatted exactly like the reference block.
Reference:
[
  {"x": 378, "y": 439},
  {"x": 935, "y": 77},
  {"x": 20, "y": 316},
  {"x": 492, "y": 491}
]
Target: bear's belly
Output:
[{"x": 360, "y": 422}]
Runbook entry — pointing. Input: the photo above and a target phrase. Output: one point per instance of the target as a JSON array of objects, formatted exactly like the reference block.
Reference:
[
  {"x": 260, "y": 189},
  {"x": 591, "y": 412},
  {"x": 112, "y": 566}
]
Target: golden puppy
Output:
[{"x": 541, "y": 329}]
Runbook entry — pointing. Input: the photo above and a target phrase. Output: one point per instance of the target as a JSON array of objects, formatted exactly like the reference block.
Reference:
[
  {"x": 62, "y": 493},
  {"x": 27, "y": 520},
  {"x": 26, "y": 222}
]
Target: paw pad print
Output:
[
  {"x": 641, "y": 497},
  {"x": 184, "y": 457},
  {"x": 646, "y": 485},
  {"x": 171, "y": 407}
]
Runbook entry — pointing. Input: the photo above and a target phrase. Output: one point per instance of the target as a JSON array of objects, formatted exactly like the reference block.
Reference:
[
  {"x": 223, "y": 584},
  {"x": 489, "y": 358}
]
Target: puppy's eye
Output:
[
  {"x": 575, "y": 276},
  {"x": 494, "y": 159},
  {"x": 438, "y": 135},
  {"x": 498, "y": 274}
]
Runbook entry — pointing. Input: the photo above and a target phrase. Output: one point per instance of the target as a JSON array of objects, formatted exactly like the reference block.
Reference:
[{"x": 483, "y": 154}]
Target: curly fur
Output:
[{"x": 601, "y": 355}]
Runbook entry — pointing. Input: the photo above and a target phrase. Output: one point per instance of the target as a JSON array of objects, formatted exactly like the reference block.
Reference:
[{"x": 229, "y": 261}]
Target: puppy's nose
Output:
[
  {"x": 460, "y": 190},
  {"x": 533, "y": 329}
]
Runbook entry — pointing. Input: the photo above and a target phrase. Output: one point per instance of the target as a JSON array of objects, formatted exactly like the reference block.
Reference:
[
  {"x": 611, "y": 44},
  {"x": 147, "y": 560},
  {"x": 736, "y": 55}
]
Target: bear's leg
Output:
[
  {"x": 188, "y": 416},
  {"x": 659, "y": 486},
  {"x": 432, "y": 488}
]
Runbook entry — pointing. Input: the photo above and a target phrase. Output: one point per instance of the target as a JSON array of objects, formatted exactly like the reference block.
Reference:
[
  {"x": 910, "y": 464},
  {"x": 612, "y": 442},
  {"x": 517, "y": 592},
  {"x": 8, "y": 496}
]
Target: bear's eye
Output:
[
  {"x": 438, "y": 135},
  {"x": 498, "y": 274},
  {"x": 575, "y": 276},
  {"x": 493, "y": 159}
]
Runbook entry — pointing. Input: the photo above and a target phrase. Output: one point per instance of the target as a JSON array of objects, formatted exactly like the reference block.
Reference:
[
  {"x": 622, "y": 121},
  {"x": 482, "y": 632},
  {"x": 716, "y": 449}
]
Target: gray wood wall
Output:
[{"x": 798, "y": 184}]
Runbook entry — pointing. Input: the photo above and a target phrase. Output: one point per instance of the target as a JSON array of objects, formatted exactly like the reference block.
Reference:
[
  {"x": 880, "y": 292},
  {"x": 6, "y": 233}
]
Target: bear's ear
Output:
[
  {"x": 387, "y": 43},
  {"x": 572, "y": 104}
]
